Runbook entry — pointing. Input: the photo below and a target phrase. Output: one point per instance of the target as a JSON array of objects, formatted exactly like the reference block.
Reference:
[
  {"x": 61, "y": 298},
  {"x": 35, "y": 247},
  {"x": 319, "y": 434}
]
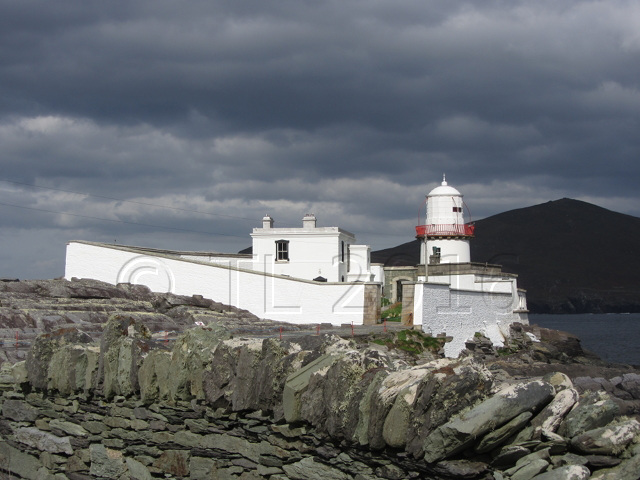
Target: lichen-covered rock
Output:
[
  {"x": 42, "y": 350},
  {"x": 568, "y": 472},
  {"x": 628, "y": 469},
  {"x": 499, "y": 436},
  {"x": 106, "y": 462},
  {"x": 153, "y": 376},
  {"x": 460, "y": 432},
  {"x": 192, "y": 353},
  {"x": 73, "y": 368},
  {"x": 19, "y": 410},
  {"x": 43, "y": 441},
  {"x": 549, "y": 419},
  {"x": 609, "y": 440},
  {"x": 308, "y": 469},
  {"x": 594, "y": 410},
  {"x": 124, "y": 344},
  {"x": 326, "y": 402},
  {"x": 450, "y": 387}
]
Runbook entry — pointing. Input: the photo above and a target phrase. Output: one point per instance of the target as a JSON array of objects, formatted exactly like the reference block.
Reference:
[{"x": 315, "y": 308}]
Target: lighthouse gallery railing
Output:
[{"x": 444, "y": 230}]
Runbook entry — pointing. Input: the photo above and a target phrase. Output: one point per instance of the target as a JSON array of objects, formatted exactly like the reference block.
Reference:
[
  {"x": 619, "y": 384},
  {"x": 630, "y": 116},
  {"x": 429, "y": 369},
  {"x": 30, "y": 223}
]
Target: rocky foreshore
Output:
[{"x": 216, "y": 404}]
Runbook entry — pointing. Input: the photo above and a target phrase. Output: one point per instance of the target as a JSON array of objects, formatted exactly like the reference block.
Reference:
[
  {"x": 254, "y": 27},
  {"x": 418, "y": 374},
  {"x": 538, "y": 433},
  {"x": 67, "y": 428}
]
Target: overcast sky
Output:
[{"x": 350, "y": 109}]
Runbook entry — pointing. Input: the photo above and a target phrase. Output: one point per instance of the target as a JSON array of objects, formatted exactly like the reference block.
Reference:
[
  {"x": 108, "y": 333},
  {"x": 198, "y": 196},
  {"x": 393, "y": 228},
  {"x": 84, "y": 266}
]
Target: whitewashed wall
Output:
[
  {"x": 460, "y": 314},
  {"x": 452, "y": 250},
  {"x": 359, "y": 264},
  {"x": 267, "y": 296},
  {"x": 312, "y": 253}
]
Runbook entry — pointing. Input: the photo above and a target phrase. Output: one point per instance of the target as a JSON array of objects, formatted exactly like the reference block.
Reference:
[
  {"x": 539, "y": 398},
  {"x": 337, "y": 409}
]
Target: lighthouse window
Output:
[
  {"x": 457, "y": 209},
  {"x": 282, "y": 250}
]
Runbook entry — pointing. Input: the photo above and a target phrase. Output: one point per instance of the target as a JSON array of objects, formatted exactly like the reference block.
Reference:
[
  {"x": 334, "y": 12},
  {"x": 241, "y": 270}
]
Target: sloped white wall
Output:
[{"x": 265, "y": 295}]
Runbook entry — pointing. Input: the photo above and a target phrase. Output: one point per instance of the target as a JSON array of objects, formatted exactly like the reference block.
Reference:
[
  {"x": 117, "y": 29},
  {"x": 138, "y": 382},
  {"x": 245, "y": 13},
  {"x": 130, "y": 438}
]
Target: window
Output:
[
  {"x": 342, "y": 253},
  {"x": 457, "y": 209},
  {"x": 282, "y": 250},
  {"x": 348, "y": 258}
]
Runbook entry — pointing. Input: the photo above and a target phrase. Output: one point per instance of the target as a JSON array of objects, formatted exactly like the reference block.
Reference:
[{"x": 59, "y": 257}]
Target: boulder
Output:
[
  {"x": 568, "y": 472},
  {"x": 609, "y": 440},
  {"x": 192, "y": 354},
  {"x": 549, "y": 419},
  {"x": 499, "y": 436},
  {"x": 449, "y": 387},
  {"x": 297, "y": 384},
  {"x": 43, "y": 441},
  {"x": 153, "y": 376},
  {"x": 460, "y": 432},
  {"x": 43, "y": 348},
  {"x": 105, "y": 462},
  {"x": 309, "y": 469},
  {"x": 73, "y": 368},
  {"x": 123, "y": 345},
  {"x": 594, "y": 410},
  {"x": 628, "y": 469}
]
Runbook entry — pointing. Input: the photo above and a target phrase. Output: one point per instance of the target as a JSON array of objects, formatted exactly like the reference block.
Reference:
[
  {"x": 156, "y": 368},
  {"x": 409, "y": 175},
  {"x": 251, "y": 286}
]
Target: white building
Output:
[
  {"x": 305, "y": 275},
  {"x": 311, "y": 252}
]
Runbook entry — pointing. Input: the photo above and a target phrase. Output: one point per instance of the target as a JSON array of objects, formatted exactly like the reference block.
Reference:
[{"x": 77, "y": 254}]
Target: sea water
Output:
[{"x": 614, "y": 337}]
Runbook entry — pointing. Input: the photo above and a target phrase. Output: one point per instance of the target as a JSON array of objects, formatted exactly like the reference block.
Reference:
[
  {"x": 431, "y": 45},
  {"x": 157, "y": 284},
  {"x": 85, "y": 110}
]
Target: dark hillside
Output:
[{"x": 571, "y": 256}]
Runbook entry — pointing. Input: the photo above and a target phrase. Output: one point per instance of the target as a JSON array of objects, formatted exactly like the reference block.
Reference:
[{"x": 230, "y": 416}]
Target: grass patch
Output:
[
  {"x": 413, "y": 342},
  {"x": 393, "y": 313}
]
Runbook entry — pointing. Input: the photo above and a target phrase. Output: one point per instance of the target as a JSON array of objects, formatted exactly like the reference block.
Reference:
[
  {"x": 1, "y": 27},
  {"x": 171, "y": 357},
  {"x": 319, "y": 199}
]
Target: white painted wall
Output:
[
  {"x": 459, "y": 314},
  {"x": 359, "y": 264},
  {"x": 265, "y": 295},
  {"x": 313, "y": 252},
  {"x": 452, "y": 250}
]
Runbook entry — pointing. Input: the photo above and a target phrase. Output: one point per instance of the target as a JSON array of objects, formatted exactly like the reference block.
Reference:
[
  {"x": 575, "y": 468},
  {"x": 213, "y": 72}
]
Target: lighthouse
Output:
[{"x": 444, "y": 236}]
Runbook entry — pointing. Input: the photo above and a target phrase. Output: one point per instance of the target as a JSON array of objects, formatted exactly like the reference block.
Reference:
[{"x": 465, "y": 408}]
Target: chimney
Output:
[
  {"x": 267, "y": 221},
  {"x": 309, "y": 221}
]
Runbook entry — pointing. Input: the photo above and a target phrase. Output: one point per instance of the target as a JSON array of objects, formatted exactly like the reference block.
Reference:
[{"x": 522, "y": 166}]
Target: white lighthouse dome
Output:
[{"x": 444, "y": 190}]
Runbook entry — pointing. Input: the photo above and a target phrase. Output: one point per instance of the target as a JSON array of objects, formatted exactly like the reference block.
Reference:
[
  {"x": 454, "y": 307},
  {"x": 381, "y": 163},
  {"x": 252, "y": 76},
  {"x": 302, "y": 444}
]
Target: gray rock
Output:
[
  {"x": 42, "y": 350},
  {"x": 568, "y": 472},
  {"x": 460, "y": 469},
  {"x": 594, "y": 410},
  {"x": 43, "y": 441},
  {"x": 68, "y": 427},
  {"x": 549, "y": 418},
  {"x": 509, "y": 456},
  {"x": 19, "y": 411},
  {"x": 308, "y": 469},
  {"x": 609, "y": 440},
  {"x": 627, "y": 470},
  {"x": 137, "y": 470},
  {"x": 18, "y": 462},
  {"x": 174, "y": 462},
  {"x": 529, "y": 470},
  {"x": 460, "y": 432},
  {"x": 559, "y": 380},
  {"x": 105, "y": 462},
  {"x": 123, "y": 345},
  {"x": 192, "y": 353},
  {"x": 451, "y": 387},
  {"x": 297, "y": 384},
  {"x": 602, "y": 461},
  {"x": 499, "y": 436}
]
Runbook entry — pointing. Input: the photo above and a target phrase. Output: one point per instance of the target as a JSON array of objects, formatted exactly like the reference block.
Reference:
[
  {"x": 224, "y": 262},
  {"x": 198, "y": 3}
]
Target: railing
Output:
[{"x": 445, "y": 230}]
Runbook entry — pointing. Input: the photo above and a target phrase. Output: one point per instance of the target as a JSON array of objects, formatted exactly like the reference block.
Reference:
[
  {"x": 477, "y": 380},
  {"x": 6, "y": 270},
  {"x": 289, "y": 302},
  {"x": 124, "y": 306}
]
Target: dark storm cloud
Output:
[{"x": 351, "y": 109}]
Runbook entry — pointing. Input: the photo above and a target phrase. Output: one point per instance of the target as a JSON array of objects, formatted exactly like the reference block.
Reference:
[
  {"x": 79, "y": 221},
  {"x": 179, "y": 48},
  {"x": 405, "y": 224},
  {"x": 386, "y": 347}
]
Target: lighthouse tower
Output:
[{"x": 445, "y": 236}]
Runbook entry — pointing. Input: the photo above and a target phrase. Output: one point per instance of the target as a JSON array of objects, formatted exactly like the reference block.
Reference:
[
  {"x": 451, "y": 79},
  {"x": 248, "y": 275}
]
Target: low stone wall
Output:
[{"x": 312, "y": 407}]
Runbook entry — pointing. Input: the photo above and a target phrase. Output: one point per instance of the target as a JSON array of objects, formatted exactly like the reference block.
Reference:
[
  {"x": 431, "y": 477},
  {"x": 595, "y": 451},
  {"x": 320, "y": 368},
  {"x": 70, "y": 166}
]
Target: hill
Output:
[{"x": 571, "y": 256}]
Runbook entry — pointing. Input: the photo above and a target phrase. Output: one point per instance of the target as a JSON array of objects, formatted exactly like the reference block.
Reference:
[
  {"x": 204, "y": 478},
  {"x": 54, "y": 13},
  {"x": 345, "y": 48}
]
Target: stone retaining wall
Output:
[{"x": 312, "y": 407}]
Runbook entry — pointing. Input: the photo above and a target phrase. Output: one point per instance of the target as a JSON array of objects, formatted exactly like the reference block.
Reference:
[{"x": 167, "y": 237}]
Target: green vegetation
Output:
[
  {"x": 413, "y": 342},
  {"x": 393, "y": 313},
  {"x": 385, "y": 302}
]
